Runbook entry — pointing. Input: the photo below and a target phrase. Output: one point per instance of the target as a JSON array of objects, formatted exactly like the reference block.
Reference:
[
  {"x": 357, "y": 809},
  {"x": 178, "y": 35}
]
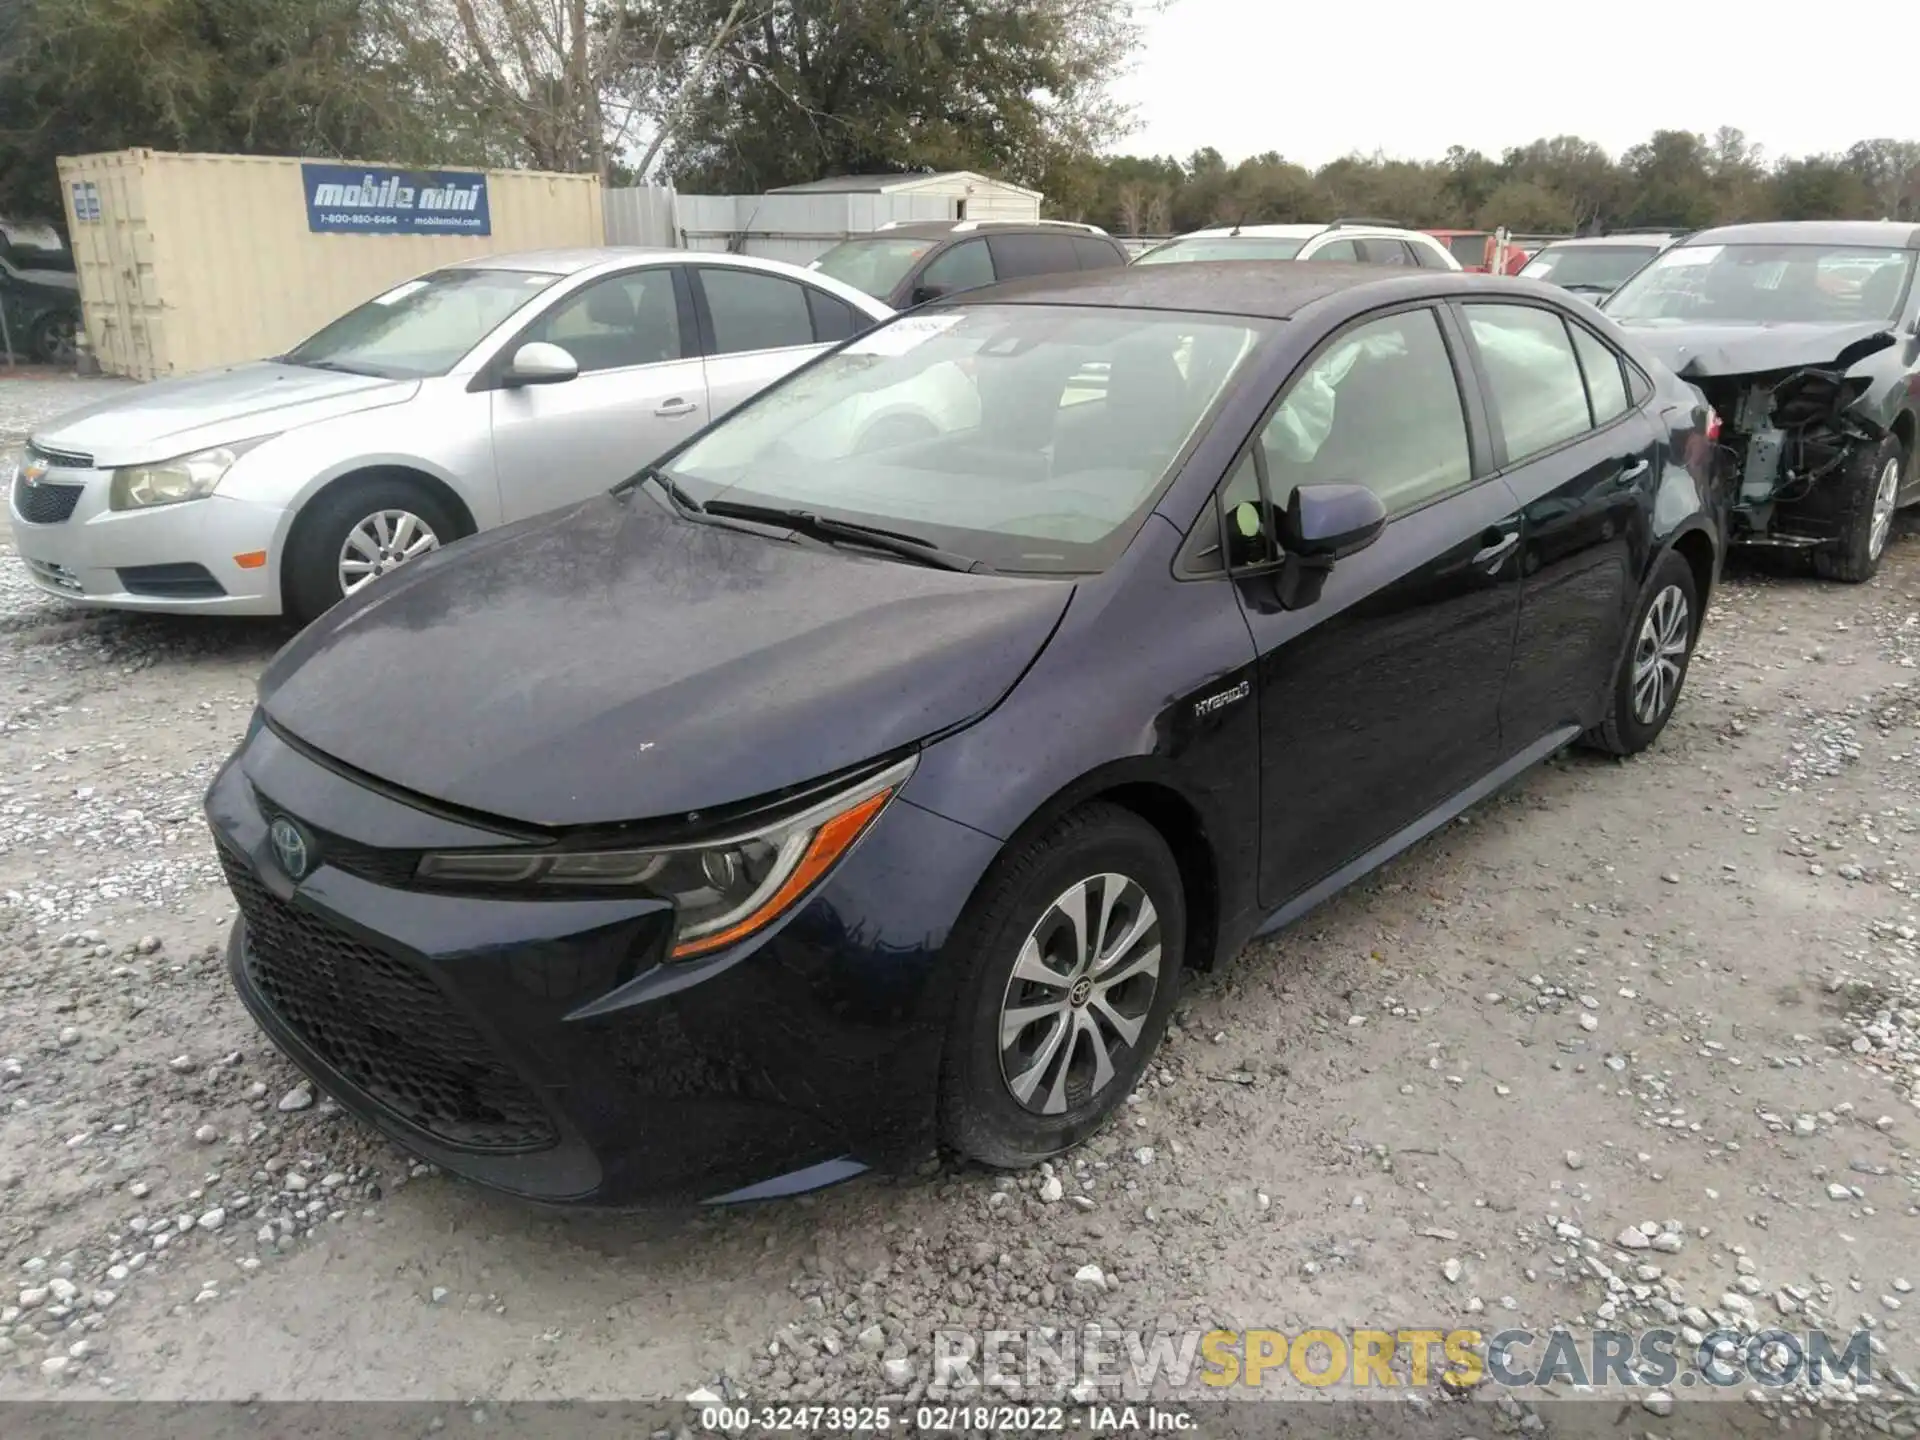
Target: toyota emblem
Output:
[{"x": 290, "y": 848}]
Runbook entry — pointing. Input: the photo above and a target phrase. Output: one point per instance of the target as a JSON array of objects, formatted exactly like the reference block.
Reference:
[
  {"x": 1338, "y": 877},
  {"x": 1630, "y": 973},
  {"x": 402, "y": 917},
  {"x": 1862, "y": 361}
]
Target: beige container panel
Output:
[{"x": 220, "y": 267}]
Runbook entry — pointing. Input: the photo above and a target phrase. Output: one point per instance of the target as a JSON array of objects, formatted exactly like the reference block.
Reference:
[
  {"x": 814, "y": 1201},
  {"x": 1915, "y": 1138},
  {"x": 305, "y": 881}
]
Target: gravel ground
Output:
[{"x": 1631, "y": 1044}]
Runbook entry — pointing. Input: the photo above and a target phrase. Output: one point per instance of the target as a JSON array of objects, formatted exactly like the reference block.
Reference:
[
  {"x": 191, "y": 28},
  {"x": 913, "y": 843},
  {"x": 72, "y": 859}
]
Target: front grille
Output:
[
  {"x": 171, "y": 582},
  {"x": 62, "y": 459},
  {"x": 384, "y": 1025},
  {"x": 45, "y": 503},
  {"x": 382, "y": 867}
]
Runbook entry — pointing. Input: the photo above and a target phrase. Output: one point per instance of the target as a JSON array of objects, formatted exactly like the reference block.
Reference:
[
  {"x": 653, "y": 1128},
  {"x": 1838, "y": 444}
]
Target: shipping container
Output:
[{"x": 193, "y": 261}]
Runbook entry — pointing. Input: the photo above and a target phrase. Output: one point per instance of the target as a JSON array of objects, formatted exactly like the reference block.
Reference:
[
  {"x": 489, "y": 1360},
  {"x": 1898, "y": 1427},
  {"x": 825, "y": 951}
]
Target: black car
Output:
[
  {"x": 1805, "y": 336},
  {"x": 910, "y": 263},
  {"x": 800, "y": 803},
  {"x": 39, "y": 292}
]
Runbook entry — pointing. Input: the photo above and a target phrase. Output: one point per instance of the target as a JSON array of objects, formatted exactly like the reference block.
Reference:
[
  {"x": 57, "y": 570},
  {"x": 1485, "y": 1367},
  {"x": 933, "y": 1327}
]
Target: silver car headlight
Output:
[
  {"x": 722, "y": 890},
  {"x": 168, "y": 482}
]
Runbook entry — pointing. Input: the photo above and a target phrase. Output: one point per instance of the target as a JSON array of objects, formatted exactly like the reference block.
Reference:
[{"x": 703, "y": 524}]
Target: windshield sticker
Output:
[
  {"x": 903, "y": 335},
  {"x": 400, "y": 292},
  {"x": 1694, "y": 255}
]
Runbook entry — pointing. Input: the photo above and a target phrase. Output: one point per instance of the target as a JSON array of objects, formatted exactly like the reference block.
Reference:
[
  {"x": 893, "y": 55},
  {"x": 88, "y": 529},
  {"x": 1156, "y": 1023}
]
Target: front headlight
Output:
[
  {"x": 168, "y": 482},
  {"x": 722, "y": 890}
]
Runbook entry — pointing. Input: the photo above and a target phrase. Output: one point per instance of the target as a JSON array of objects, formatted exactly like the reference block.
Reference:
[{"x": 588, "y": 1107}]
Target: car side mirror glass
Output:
[
  {"x": 540, "y": 363},
  {"x": 922, "y": 294}
]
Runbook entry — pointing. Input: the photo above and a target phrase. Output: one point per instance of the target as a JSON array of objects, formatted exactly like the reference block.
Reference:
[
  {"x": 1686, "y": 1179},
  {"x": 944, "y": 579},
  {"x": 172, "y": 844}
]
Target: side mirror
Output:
[
  {"x": 541, "y": 364},
  {"x": 1322, "y": 524},
  {"x": 922, "y": 294},
  {"x": 1331, "y": 522}
]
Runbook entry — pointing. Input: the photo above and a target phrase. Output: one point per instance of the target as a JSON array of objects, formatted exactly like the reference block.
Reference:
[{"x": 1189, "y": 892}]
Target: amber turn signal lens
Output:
[{"x": 830, "y": 842}]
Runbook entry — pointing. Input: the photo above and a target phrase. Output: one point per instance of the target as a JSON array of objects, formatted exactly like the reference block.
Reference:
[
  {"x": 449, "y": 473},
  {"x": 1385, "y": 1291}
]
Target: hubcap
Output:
[
  {"x": 1883, "y": 499},
  {"x": 381, "y": 542},
  {"x": 1659, "y": 654},
  {"x": 1079, "y": 995}
]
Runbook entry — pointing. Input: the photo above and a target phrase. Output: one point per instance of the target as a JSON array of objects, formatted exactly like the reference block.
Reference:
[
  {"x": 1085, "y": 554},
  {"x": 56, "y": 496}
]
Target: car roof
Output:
[
  {"x": 1260, "y": 289},
  {"x": 1895, "y": 234},
  {"x": 1243, "y": 232},
  {"x": 940, "y": 229},
  {"x": 1644, "y": 239}
]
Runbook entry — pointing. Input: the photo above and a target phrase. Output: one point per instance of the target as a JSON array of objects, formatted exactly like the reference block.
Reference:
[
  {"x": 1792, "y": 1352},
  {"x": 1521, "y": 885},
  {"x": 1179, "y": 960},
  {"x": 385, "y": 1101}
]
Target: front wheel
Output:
[
  {"x": 55, "y": 338},
  {"x": 356, "y": 532},
  {"x": 1647, "y": 688},
  {"x": 1075, "y": 946},
  {"x": 1866, "y": 493}
]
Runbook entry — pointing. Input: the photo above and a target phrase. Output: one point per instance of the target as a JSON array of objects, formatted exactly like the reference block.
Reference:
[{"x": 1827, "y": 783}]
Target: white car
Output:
[
  {"x": 472, "y": 396},
  {"x": 1363, "y": 242}
]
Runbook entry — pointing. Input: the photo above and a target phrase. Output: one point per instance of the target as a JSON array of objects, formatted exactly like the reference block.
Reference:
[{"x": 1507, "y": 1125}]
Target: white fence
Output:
[{"x": 793, "y": 228}]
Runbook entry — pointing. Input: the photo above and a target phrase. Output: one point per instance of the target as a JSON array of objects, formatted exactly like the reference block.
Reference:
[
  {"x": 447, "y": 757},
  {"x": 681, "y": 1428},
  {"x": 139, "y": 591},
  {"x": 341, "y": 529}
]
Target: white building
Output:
[{"x": 972, "y": 196}]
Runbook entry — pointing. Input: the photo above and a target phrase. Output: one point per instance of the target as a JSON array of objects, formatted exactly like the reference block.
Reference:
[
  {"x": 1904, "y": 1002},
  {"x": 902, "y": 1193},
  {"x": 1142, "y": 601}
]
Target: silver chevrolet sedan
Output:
[{"x": 465, "y": 398}]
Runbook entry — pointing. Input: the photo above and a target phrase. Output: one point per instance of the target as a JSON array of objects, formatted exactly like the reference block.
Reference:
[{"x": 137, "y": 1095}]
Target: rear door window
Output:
[
  {"x": 1337, "y": 250},
  {"x": 963, "y": 267},
  {"x": 1015, "y": 256},
  {"x": 1533, "y": 379},
  {"x": 1097, "y": 254},
  {"x": 755, "y": 311},
  {"x": 1384, "y": 251},
  {"x": 1606, "y": 384}
]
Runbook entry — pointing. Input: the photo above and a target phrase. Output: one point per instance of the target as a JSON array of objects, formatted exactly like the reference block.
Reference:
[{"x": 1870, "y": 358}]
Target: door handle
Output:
[
  {"x": 1634, "y": 471},
  {"x": 675, "y": 408},
  {"x": 1492, "y": 555}
]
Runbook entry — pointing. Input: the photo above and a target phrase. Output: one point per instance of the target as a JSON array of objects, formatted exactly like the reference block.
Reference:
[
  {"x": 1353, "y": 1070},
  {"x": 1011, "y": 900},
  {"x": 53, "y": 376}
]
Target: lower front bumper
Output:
[
  {"x": 540, "y": 1047},
  {"x": 81, "y": 559}
]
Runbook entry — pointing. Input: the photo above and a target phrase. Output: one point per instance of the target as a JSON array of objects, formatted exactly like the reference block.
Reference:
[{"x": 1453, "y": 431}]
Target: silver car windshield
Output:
[
  {"x": 1767, "y": 284},
  {"x": 1222, "y": 247},
  {"x": 1034, "y": 438},
  {"x": 422, "y": 327}
]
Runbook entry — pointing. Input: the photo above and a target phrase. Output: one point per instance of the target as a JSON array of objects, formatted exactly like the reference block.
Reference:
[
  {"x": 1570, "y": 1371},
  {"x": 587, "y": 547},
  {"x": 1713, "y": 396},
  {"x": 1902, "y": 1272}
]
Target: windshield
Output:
[
  {"x": 1034, "y": 438},
  {"x": 876, "y": 265},
  {"x": 422, "y": 327},
  {"x": 1768, "y": 284},
  {"x": 1588, "y": 267},
  {"x": 1223, "y": 247}
]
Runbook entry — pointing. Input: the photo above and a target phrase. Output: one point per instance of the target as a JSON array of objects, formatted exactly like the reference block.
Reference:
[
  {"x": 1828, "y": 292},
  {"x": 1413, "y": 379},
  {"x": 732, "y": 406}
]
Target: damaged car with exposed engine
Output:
[{"x": 1804, "y": 336}]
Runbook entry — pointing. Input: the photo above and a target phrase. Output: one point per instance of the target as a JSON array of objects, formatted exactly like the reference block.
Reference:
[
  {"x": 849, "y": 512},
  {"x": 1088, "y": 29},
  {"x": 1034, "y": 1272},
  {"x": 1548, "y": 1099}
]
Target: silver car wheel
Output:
[
  {"x": 1659, "y": 654},
  {"x": 1883, "y": 506},
  {"x": 1079, "y": 994},
  {"x": 381, "y": 542}
]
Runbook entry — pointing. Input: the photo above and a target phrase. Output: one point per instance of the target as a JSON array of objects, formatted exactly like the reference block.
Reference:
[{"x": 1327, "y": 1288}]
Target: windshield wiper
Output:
[
  {"x": 334, "y": 365},
  {"x": 669, "y": 487},
  {"x": 823, "y": 527}
]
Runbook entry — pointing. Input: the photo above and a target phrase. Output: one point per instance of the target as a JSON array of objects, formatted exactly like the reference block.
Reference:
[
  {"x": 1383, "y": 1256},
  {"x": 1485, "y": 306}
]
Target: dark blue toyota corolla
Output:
[{"x": 868, "y": 772}]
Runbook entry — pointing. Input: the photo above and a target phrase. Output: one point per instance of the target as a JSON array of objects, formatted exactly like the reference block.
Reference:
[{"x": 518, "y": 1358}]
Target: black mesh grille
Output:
[
  {"x": 45, "y": 504},
  {"x": 383, "y": 1025}
]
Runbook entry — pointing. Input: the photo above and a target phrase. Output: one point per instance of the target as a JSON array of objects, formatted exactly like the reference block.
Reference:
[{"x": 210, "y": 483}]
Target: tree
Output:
[
  {"x": 1890, "y": 171},
  {"x": 1526, "y": 206},
  {"x": 1671, "y": 183},
  {"x": 808, "y": 88},
  {"x": 289, "y": 77},
  {"x": 1819, "y": 187}
]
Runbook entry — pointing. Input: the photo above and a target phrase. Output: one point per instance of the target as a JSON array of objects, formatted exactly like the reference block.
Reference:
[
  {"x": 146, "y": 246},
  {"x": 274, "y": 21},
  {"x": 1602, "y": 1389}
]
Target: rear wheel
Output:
[
  {"x": 1076, "y": 948},
  {"x": 1648, "y": 686},
  {"x": 55, "y": 338},
  {"x": 356, "y": 532},
  {"x": 1866, "y": 492}
]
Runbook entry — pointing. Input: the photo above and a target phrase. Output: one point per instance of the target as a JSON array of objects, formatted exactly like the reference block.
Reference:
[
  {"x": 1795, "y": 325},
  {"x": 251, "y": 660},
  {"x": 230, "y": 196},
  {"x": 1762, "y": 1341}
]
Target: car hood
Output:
[
  {"x": 215, "y": 407},
  {"x": 613, "y": 662},
  {"x": 1697, "y": 352}
]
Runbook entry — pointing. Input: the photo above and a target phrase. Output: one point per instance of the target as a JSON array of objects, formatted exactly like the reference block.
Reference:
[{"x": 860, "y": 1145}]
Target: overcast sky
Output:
[{"x": 1317, "y": 81}]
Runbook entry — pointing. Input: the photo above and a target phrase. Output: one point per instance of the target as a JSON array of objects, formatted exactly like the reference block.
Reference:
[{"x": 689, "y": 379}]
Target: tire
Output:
[
  {"x": 1860, "y": 491},
  {"x": 1066, "y": 1100},
  {"x": 54, "y": 338},
  {"x": 1629, "y": 728},
  {"x": 313, "y": 583}
]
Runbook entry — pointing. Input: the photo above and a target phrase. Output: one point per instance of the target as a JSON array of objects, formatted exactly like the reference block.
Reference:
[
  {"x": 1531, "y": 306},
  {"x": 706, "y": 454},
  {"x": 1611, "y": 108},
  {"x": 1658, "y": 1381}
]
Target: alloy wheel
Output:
[
  {"x": 1079, "y": 995},
  {"x": 1883, "y": 506},
  {"x": 1659, "y": 654},
  {"x": 383, "y": 541}
]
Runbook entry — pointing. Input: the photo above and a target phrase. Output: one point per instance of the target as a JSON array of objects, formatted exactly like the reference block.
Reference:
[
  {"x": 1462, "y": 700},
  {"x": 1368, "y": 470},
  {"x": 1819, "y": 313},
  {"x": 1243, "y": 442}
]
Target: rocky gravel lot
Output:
[{"x": 1631, "y": 1044}]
